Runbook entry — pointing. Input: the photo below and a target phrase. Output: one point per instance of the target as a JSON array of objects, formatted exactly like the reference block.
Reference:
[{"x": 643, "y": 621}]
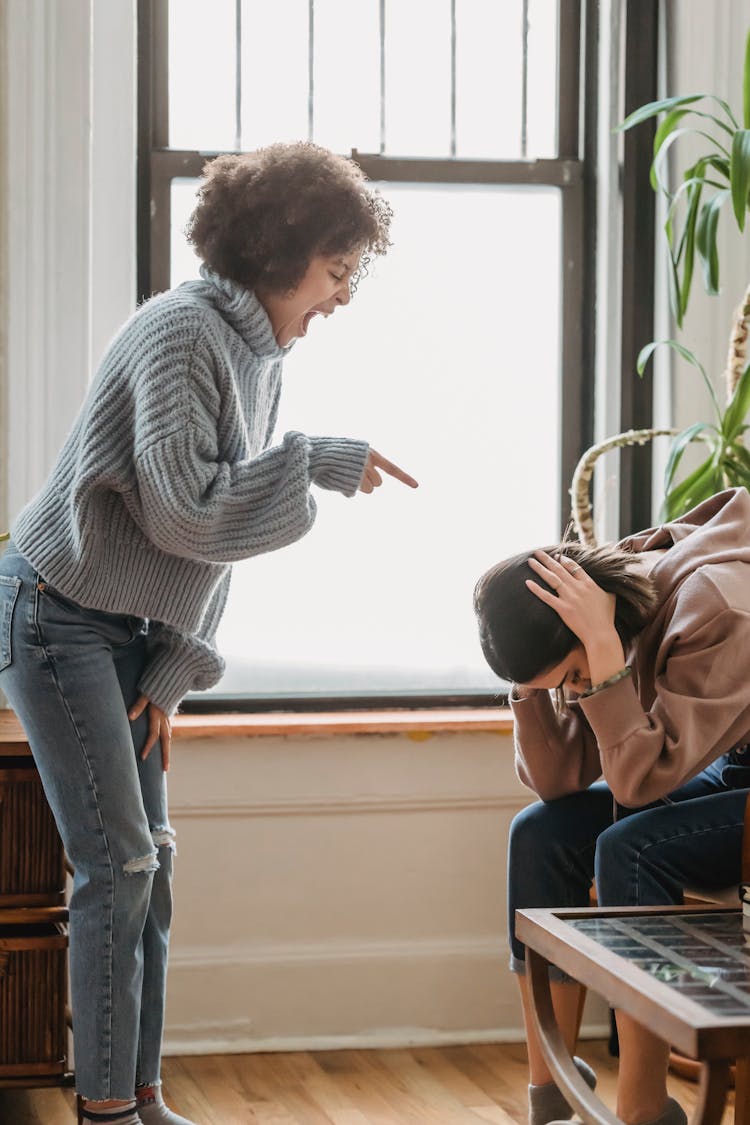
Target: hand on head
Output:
[
  {"x": 583, "y": 606},
  {"x": 377, "y": 465}
]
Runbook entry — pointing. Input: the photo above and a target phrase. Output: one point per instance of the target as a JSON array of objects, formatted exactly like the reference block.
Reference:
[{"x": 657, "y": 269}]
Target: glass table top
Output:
[{"x": 704, "y": 957}]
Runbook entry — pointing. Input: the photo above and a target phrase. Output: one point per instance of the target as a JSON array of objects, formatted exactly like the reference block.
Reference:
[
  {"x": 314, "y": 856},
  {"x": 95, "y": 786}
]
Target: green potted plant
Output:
[{"x": 720, "y": 173}]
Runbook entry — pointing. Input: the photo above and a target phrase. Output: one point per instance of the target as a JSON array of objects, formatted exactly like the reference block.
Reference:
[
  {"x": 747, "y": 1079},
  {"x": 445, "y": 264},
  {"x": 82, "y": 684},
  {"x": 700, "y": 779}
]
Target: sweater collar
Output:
[{"x": 243, "y": 311}]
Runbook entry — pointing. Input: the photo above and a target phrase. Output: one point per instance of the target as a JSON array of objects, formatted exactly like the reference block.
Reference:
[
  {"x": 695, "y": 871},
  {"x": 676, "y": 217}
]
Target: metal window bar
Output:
[
  {"x": 381, "y": 30},
  {"x": 238, "y": 75},
  {"x": 571, "y": 51},
  {"x": 453, "y": 78},
  {"x": 310, "y": 69},
  {"x": 524, "y": 78}
]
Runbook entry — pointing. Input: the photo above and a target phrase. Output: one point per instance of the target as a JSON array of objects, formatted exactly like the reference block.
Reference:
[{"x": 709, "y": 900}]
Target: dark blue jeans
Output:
[{"x": 646, "y": 857}]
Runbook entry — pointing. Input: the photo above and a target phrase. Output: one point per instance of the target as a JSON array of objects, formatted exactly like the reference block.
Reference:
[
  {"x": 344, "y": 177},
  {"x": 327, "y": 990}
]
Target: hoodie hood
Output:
[{"x": 722, "y": 524}]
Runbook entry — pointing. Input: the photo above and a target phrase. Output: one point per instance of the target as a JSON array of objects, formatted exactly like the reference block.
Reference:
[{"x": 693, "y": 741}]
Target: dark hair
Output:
[
  {"x": 261, "y": 216},
  {"x": 522, "y": 637}
]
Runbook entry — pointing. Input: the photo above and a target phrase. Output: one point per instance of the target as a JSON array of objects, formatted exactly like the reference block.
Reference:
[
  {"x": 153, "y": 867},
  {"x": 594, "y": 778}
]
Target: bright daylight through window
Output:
[{"x": 448, "y": 360}]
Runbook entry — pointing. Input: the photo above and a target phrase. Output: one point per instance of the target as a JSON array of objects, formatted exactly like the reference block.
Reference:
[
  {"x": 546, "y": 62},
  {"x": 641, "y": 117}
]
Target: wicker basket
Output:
[
  {"x": 32, "y": 871},
  {"x": 32, "y": 998}
]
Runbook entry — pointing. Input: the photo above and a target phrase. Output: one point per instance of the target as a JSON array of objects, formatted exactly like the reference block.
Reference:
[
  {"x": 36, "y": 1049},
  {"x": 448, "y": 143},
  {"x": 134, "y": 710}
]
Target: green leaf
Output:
[
  {"x": 680, "y": 444},
  {"x": 675, "y": 296},
  {"x": 670, "y": 122},
  {"x": 720, "y": 165},
  {"x": 677, "y": 198},
  {"x": 739, "y": 453},
  {"x": 735, "y": 474},
  {"x": 651, "y": 109},
  {"x": 740, "y": 174},
  {"x": 699, "y": 485},
  {"x": 688, "y": 242},
  {"x": 646, "y": 352},
  {"x": 666, "y": 105},
  {"x": 705, "y": 241},
  {"x": 692, "y": 186},
  {"x": 660, "y": 155},
  {"x": 739, "y": 405},
  {"x": 746, "y": 85}
]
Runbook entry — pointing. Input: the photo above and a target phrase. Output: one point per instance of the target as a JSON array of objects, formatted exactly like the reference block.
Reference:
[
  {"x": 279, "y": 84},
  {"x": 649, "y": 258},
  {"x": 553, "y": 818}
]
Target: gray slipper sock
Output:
[
  {"x": 547, "y": 1104},
  {"x": 153, "y": 1111},
  {"x": 674, "y": 1114}
]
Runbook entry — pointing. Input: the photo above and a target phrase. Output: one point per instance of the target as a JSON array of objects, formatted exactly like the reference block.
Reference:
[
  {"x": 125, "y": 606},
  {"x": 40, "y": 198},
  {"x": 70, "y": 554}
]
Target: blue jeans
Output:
[
  {"x": 644, "y": 858},
  {"x": 70, "y": 674}
]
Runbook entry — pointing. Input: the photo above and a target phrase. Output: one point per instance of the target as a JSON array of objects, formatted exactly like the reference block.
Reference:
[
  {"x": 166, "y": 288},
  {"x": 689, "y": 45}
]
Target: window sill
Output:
[{"x": 417, "y": 724}]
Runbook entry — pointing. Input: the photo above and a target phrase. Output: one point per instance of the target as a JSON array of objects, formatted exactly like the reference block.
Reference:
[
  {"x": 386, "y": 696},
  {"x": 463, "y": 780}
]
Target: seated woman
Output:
[{"x": 646, "y": 646}]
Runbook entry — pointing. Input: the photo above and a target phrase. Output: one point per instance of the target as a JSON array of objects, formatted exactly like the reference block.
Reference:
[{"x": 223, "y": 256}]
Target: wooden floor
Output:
[{"x": 416, "y": 1086}]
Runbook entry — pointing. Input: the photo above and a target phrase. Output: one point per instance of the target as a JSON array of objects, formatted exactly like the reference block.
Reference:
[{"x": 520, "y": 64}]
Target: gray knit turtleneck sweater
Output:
[{"x": 166, "y": 477}]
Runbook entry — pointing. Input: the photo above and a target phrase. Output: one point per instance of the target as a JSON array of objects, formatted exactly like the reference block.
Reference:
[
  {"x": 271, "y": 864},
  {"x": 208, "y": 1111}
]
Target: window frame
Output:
[{"x": 573, "y": 172}]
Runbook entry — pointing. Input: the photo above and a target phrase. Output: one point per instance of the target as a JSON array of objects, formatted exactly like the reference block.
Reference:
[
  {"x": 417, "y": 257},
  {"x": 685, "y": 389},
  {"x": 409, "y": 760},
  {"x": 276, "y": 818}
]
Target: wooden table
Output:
[{"x": 683, "y": 972}]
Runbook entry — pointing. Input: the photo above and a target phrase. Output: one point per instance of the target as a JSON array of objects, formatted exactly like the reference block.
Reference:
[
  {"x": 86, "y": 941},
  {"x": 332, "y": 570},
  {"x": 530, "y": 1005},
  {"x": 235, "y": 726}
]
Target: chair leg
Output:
[{"x": 79, "y": 1108}]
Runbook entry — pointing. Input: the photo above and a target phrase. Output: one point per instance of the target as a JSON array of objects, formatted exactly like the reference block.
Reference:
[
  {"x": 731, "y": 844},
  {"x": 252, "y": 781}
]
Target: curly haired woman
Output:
[
  {"x": 649, "y": 644},
  {"x": 114, "y": 583}
]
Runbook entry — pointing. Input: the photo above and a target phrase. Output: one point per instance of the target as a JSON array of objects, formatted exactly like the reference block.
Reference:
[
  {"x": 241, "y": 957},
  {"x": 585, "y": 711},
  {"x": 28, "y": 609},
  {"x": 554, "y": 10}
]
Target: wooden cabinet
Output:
[{"x": 33, "y": 923}]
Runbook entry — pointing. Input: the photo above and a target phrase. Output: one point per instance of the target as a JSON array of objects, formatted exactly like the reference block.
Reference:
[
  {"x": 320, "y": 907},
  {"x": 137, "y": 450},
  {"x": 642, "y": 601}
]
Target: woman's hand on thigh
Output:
[{"x": 159, "y": 729}]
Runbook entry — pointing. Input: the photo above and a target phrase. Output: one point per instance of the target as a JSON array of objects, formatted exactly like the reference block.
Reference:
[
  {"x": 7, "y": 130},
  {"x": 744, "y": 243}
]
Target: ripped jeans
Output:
[{"x": 70, "y": 674}]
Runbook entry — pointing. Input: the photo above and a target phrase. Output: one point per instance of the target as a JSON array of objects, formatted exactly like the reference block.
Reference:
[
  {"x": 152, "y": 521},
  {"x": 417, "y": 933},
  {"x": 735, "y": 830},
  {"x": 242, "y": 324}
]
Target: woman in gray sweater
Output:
[
  {"x": 647, "y": 646},
  {"x": 116, "y": 577}
]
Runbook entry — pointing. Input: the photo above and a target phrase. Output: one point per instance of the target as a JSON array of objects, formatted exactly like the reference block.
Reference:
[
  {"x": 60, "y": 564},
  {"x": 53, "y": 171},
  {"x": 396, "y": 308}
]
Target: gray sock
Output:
[
  {"x": 152, "y": 1109},
  {"x": 547, "y": 1104},
  {"x": 674, "y": 1114}
]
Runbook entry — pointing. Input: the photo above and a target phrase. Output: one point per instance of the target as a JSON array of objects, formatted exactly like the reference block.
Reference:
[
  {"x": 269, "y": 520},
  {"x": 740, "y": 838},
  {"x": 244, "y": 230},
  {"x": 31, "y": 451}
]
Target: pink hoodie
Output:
[{"x": 688, "y": 701}]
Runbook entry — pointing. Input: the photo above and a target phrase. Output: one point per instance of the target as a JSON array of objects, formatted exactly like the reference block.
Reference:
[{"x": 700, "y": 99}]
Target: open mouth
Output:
[{"x": 306, "y": 319}]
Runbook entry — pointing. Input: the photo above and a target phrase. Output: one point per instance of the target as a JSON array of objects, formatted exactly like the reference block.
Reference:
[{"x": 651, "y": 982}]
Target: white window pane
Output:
[
  {"x": 446, "y": 361},
  {"x": 347, "y": 75},
  {"x": 542, "y": 79},
  {"x": 418, "y": 78},
  {"x": 184, "y": 262},
  {"x": 202, "y": 74},
  {"x": 489, "y": 75},
  {"x": 274, "y": 72}
]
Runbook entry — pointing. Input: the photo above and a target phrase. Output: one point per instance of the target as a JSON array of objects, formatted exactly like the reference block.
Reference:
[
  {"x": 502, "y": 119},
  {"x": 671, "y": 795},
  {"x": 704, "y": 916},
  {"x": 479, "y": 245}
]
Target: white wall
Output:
[
  {"x": 341, "y": 891},
  {"x": 69, "y": 206}
]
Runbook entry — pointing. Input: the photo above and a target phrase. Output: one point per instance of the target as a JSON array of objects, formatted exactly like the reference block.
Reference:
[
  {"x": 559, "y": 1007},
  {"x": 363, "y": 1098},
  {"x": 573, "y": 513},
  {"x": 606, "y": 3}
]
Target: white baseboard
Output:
[
  {"x": 339, "y": 995},
  {"x": 222, "y": 1040}
]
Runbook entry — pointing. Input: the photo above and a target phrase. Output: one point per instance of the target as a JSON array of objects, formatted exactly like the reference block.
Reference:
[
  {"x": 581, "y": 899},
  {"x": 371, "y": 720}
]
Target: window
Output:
[{"x": 463, "y": 355}]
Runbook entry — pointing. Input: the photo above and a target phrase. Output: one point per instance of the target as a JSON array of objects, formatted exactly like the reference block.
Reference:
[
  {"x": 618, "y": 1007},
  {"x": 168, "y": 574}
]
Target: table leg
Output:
[
  {"x": 742, "y": 1092},
  {"x": 590, "y": 1107},
  {"x": 712, "y": 1093},
  {"x": 714, "y": 1081}
]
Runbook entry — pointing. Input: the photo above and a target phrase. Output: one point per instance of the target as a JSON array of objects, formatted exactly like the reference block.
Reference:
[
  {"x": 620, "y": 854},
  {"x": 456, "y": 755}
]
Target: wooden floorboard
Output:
[{"x": 476, "y": 1085}]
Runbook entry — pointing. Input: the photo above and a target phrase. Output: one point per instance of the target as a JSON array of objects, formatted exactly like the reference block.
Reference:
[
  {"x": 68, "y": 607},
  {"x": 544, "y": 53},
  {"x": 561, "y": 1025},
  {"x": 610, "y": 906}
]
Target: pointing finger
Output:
[{"x": 392, "y": 470}]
